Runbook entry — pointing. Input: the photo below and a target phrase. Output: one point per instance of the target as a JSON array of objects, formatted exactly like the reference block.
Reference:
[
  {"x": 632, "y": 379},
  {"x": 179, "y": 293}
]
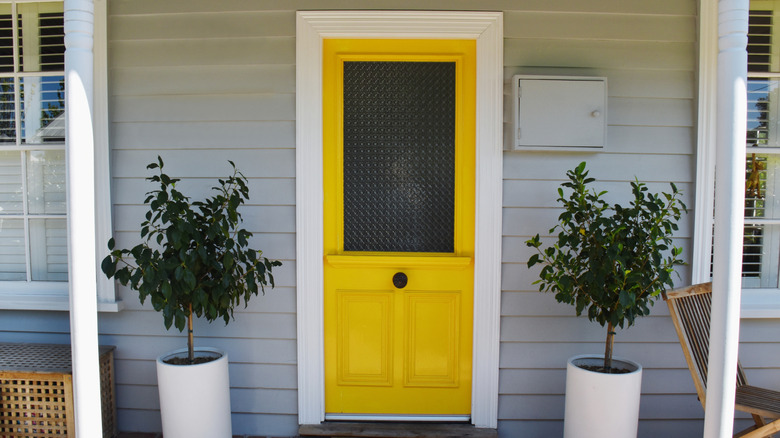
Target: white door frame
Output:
[{"x": 487, "y": 29}]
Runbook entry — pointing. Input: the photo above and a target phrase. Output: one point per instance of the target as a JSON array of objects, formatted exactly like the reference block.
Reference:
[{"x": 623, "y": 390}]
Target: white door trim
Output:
[
  {"x": 487, "y": 29},
  {"x": 399, "y": 418}
]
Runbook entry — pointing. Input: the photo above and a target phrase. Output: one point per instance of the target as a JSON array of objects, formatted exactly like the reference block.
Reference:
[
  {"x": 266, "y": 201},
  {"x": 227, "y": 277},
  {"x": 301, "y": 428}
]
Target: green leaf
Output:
[
  {"x": 166, "y": 290},
  {"x": 189, "y": 279},
  {"x": 168, "y": 314},
  {"x": 626, "y": 299},
  {"x": 108, "y": 266},
  {"x": 181, "y": 320}
]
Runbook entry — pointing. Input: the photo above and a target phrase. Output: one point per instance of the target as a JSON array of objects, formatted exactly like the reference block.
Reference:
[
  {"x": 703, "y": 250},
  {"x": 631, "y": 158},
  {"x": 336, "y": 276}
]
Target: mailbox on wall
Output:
[{"x": 558, "y": 112}]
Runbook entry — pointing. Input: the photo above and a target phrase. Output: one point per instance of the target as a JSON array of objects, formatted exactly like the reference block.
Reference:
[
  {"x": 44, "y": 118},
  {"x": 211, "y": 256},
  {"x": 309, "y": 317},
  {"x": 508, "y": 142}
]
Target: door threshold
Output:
[
  {"x": 394, "y": 430},
  {"x": 399, "y": 418}
]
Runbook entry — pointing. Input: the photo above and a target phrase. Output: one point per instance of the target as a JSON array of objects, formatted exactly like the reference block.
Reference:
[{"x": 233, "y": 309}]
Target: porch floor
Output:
[
  {"x": 159, "y": 435},
  {"x": 369, "y": 430}
]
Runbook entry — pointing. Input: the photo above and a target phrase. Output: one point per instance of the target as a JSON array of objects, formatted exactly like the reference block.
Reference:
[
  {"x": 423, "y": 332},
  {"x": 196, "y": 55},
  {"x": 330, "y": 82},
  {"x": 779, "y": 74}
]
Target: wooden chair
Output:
[{"x": 690, "y": 309}]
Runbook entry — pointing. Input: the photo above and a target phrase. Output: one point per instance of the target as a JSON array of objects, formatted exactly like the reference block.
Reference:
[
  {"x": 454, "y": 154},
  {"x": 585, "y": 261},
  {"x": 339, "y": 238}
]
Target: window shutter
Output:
[
  {"x": 760, "y": 41},
  {"x": 52, "y": 41}
]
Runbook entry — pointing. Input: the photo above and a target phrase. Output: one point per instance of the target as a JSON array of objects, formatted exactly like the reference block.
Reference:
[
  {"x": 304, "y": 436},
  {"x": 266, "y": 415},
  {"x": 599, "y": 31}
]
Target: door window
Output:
[{"x": 399, "y": 156}]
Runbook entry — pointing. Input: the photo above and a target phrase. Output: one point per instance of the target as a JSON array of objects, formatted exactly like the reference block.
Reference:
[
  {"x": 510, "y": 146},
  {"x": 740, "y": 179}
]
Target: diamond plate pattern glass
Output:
[{"x": 399, "y": 156}]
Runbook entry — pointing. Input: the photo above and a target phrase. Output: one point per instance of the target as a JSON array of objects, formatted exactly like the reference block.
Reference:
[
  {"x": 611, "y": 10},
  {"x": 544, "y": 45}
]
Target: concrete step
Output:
[{"x": 394, "y": 430}]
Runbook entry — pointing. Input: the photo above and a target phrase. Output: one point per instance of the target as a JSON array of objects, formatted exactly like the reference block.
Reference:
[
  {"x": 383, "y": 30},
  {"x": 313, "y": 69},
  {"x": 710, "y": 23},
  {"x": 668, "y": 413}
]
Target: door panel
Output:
[
  {"x": 432, "y": 332},
  {"x": 399, "y": 197},
  {"x": 365, "y": 337}
]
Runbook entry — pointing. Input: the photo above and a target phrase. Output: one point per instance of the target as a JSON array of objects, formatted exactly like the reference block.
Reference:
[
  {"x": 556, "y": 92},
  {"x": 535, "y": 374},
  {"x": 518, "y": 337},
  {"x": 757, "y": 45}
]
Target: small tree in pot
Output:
[
  {"x": 610, "y": 262},
  {"x": 194, "y": 259}
]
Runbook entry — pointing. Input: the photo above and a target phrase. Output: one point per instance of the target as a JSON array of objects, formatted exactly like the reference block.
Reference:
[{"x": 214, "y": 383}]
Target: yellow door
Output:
[{"x": 399, "y": 118}]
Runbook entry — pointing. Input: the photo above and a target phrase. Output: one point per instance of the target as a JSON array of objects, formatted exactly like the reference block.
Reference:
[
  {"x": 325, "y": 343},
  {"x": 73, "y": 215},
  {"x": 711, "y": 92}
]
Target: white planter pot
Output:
[
  {"x": 195, "y": 399},
  {"x": 601, "y": 405}
]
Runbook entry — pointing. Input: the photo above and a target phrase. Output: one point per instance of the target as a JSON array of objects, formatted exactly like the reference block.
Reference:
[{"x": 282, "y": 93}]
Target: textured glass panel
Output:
[
  {"x": 399, "y": 156},
  {"x": 43, "y": 109},
  {"x": 49, "y": 249},
  {"x": 46, "y": 182},
  {"x": 11, "y": 198},
  {"x": 12, "y": 258}
]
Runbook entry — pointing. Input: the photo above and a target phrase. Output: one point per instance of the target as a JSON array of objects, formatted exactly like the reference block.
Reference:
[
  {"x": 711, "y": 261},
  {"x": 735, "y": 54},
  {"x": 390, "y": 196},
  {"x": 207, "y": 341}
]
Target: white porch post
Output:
[
  {"x": 80, "y": 159},
  {"x": 729, "y": 216}
]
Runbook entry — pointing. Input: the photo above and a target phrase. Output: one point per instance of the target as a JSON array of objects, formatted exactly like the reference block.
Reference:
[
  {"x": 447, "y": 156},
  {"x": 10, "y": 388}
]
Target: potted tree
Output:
[
  {"x": 194, "y": 261},
  {"x": 611, "y": 263}
]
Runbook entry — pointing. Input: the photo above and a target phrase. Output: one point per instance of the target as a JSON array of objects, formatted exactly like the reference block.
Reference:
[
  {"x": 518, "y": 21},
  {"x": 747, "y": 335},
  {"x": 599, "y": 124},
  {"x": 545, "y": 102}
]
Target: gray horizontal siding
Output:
[
  {"x": 611, "y": 165},
  {"x": 663, "y": 7},
  {"x": 204, "y": 134},
  {"x": 200, "y": 89},
  {"x": 650, "y": 137},
  {"x": 186, "y": 25},
  {"x": 135, "y": 81},
  {"x": 197, "y": 108},
  {"x": 264, "y": 191},
  {"x": 204, "y": 52},
  {"x": 629, "y": 55}
]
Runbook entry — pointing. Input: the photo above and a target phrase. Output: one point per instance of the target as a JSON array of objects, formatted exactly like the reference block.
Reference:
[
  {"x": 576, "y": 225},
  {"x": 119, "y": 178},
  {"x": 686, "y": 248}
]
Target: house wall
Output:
[
  {"x": 647, "y": 52},
  {"x": 199, "y": 82}
]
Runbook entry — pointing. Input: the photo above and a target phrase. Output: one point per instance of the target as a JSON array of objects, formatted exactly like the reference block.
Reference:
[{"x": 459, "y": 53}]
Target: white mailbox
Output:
[{"x": 558, "y": 112}]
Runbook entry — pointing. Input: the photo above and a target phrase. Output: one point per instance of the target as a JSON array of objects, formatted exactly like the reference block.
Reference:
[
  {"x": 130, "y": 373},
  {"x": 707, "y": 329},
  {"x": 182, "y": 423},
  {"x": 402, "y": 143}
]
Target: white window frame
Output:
[
  {"x": 756, "y": 303},
  {"x": 487, "y": 29},
  {"x": 20, "y": 295}
]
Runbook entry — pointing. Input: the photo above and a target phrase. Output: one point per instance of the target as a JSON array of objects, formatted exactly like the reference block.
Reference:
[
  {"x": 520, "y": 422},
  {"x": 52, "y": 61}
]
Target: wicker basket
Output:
[{"x": 36, "y": 391}]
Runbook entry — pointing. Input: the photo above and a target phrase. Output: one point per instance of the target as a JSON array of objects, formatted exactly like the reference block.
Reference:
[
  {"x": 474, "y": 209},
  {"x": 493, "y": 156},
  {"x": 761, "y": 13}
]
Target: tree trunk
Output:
[
  {"x": 608, "y": 349},
  {"x": 190, "y": 339}
]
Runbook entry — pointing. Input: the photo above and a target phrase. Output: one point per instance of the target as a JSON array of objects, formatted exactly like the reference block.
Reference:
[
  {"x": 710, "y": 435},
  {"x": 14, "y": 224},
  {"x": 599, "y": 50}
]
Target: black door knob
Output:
[{"x": 400, "y": 280}]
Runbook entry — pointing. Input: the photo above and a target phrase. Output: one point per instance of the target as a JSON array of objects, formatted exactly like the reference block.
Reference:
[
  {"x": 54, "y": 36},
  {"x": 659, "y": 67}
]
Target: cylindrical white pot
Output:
[
  {"x": 195, "y": 399},
  {"x": 601, "y": 405}
]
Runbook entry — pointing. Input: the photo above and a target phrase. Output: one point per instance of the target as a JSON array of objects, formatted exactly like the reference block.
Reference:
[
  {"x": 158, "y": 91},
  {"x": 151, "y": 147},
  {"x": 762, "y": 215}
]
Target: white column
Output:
[
  {"x": 705, "y": 155},
  {"x": 729, "y": 216},
  {"x": 79, "y": 30}
]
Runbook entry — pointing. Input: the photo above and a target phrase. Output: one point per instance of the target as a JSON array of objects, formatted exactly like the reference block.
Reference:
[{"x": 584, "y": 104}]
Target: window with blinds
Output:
[
  {"x": 761, "y": 246},
  {"x": 33, "y": 245}
]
